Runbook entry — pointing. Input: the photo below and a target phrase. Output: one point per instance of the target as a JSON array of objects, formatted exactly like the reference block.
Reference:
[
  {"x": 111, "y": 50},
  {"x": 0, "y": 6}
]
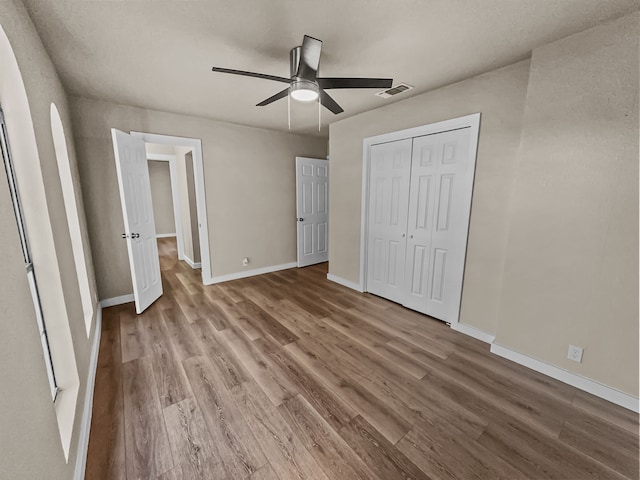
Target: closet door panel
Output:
[
  {"x": 453, "y": 182},
  {"x": 390, "y": 171},
  {"x": 421, "y": 219}
]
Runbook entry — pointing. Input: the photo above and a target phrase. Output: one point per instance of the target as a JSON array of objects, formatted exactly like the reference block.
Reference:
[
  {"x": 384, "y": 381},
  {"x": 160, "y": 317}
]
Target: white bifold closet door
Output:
[
  {"x": 388, "y": 202},
  {"x": 419, "y": 206}
]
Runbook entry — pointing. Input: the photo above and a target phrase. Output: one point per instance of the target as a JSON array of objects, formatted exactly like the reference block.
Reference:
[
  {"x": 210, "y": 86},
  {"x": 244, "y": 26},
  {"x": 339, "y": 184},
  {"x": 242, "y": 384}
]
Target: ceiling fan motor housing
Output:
[{"x": 301, "y": 89}]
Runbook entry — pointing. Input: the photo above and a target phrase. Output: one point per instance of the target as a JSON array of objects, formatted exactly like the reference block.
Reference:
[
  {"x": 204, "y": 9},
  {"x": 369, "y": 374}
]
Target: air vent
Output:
[{"x": 390, "y": 92}]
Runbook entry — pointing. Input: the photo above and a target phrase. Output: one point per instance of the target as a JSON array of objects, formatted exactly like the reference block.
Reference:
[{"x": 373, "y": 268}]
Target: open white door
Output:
[
  {"x": 312, "y": 210},
  {"x": 137, "y": 211}
]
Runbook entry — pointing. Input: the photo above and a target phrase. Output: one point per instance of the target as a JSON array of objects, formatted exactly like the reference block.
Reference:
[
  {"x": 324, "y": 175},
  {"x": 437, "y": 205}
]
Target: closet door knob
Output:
[{"x": 403, "y": 235}]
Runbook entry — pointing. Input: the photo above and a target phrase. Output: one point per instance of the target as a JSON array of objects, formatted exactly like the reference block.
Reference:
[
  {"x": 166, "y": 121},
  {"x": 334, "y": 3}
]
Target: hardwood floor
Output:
[{"x": 289, "y": 376}]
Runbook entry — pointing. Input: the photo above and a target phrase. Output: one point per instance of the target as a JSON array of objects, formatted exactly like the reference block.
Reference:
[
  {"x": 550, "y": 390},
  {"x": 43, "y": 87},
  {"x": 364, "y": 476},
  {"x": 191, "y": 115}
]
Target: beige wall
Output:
[
  {"x": 249, "y": 181},
  {"x": 499, "y": 96},
  {"x": 553, "y": 243},
  {"x": 159, "y": 149},
  {"x": 160, "y": 178},
  {"x": 30, "y": 442},
  {"x": 571, "y": 275}
]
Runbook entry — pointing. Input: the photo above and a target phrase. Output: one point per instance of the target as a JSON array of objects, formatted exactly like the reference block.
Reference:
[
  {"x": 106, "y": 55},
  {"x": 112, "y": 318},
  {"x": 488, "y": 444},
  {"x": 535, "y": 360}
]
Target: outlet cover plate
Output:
[{"x": 575, "y": 353}]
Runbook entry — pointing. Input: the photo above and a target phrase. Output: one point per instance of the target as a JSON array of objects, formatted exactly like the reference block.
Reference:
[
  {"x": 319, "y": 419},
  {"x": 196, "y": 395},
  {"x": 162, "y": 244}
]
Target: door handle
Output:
[
  {"x": 410, "y": 236},
  {"x": 301, "y": 219},
  {"x": 135, "y": 235},
  {"x": 124, "y": 235},
  {"x": 403, "y": 235}
]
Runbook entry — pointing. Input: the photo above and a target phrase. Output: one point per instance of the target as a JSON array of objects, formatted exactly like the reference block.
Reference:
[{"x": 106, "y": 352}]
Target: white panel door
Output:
[
  {"x": 420, "y": 223},
  {"x": 390, "y": 171},
  {"x": 312, "y": 209},
  {"x": 451, "y": 207},
  {"x": 137, "y": 210}
]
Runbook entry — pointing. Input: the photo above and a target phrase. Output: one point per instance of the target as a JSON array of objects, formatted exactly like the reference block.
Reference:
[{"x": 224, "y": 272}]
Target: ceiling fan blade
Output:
[
  {"x": 330, "y": 103},
  {"x": 272, "y": 99},
  {"x": 309, "y": 58},
  {"x": 251, "y": 74},
  {"x": 327, "y": 83}
]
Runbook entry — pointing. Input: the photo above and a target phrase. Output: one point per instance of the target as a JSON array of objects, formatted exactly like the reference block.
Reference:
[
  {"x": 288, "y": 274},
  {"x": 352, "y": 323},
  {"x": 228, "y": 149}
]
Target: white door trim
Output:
[
  {"x": 161, "y": 157},
  {"x": 469, "y": 121},
  {"x": 175, "y": 197},
  {"x": 201, "y": 200}
]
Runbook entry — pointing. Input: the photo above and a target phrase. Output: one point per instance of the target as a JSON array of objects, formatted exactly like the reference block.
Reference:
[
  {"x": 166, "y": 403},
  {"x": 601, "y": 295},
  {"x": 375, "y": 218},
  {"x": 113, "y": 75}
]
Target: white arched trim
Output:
[{"x": 73, "y": 219}]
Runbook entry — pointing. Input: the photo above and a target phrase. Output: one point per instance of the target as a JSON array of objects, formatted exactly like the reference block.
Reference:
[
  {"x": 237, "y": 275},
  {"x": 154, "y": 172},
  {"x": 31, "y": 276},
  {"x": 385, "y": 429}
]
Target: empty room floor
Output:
[{"x": 289, "y": 376}]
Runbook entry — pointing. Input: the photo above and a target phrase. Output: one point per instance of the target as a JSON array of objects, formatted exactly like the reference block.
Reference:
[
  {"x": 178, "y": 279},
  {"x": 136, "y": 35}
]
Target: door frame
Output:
[
  {"x": 468, "y": 121},
  {"x": 175, "y": 197},
  {"x": 201, "y": 202}
]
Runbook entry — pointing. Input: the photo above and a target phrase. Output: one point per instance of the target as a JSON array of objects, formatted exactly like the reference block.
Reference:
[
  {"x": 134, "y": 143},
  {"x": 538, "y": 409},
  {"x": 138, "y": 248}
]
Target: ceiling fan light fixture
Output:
[{"x": 304, "y": 91}]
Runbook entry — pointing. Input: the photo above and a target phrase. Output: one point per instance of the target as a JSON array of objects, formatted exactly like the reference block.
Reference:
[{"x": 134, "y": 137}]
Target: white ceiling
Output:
[{"x": 158, "y": 54}]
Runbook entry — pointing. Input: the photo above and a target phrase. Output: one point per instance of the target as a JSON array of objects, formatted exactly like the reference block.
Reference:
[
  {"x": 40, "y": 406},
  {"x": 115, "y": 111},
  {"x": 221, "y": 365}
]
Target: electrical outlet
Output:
[
  {"x": 575, "y": 353},
  {"x": 245, "y": 261}
]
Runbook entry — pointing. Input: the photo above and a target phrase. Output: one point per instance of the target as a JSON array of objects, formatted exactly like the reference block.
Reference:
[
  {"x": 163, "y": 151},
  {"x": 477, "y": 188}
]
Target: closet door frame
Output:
[{"x": 469, "y": 121}]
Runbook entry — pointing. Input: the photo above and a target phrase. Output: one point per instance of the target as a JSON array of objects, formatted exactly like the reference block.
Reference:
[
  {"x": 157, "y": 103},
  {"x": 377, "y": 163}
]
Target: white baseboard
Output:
[
  {"x": 473, "y": 332},
  {"x": 583, "y": 383},
  {"x": 249, "y": 273},
  {"x": 165, "y": 235},
  {"x": 110, "y": 302},
  {"x": 85, "y": 425},
  {"x": 191, "y": 263},
  {"x": 345, "y": 283}
]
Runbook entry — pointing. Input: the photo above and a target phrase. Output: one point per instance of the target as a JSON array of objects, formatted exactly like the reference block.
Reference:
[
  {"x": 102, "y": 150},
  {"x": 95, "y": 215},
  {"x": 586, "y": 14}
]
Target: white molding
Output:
[
  {"x": 201, "y": 202},
  {"x": 249, "y": 273},
  {"x": 122, "y": 299},
  {"x": 583, "y": 383},
  {"x": 473, "y": 332},
  {"x": 177, "y": 210},
  {"x": 468, "y": 121},
  {"x": 345, "y": 283},
  {"x": 161, "y": 157},
  {"x": 85, "y": 425},
  {"x": 191, "y": 263},
  {"x": 165, "y": 235}
]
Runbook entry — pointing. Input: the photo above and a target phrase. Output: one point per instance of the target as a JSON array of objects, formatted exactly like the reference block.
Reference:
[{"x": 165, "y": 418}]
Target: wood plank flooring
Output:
[{"x": 289, "y": 376}]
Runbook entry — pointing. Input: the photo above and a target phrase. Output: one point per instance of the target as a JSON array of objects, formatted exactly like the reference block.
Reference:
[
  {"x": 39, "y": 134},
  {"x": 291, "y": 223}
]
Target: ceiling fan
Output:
[{"x": 304, "y": 84}]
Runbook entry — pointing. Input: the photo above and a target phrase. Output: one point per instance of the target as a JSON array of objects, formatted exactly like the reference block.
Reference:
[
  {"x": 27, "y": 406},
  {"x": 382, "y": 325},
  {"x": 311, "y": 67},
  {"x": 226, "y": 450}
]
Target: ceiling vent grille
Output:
[{"x": 390, "y": 92}]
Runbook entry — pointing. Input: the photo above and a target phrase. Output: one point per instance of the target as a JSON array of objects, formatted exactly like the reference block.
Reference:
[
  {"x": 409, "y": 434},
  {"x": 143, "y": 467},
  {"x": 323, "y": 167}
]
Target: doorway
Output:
[
  {"x": 188, "y": 194},
  {"x": 416, "y": 205},
  {"x": 171, "y": 174},
  {"x": 312, "y": 210},
  {"x": 135, "y": 191}
]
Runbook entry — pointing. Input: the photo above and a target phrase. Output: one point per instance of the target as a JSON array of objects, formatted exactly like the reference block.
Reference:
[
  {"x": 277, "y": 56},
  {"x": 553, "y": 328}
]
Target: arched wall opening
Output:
[
  {"x": 73, "y": 219},
  {"x": 28, "y": 175}
]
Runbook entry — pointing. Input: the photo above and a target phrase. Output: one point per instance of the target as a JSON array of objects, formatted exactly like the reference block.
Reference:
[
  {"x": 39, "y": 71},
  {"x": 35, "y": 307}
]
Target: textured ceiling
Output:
[{"x": 159, "y": 54}]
